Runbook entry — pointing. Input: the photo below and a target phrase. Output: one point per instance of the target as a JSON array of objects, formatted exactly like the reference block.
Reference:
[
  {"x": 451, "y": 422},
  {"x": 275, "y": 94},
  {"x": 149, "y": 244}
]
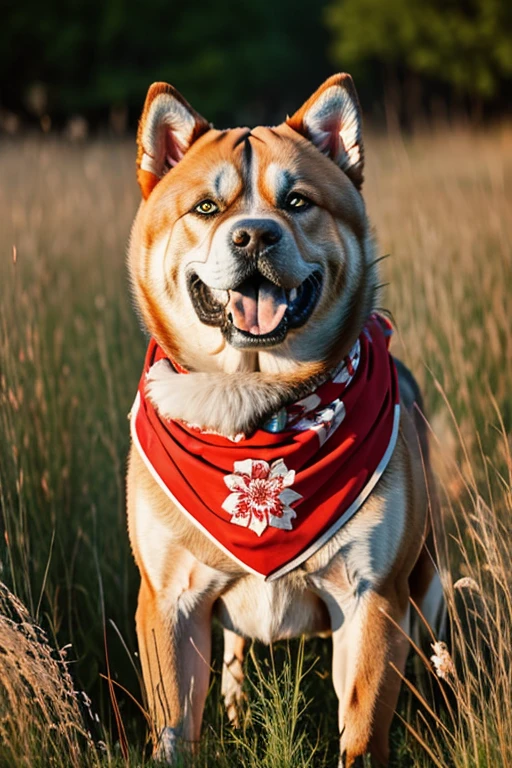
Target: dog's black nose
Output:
[{"x": 254, "y": 235}]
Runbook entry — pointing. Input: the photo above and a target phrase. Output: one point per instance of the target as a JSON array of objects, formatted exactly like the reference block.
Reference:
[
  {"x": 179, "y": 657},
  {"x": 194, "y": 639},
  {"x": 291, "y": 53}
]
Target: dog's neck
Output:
[
  {"x": 231, "y": 404},
  {"x": 237, "y": 403}
]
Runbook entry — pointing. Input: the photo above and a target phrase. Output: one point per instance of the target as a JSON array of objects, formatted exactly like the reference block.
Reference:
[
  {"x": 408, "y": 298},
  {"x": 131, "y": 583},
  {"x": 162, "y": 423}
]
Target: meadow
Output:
[{"x": 71, "y": 352}]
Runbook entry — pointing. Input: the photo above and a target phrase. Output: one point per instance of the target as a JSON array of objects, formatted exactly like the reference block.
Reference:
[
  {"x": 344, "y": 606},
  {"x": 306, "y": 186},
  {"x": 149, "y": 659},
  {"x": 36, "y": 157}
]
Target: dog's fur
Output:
[{"x": 358, "y": 585}]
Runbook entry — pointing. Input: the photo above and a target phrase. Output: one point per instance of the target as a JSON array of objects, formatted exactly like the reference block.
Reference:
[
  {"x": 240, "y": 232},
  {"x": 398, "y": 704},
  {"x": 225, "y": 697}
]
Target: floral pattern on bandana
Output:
[
  {"x": 309, "y": 414},
  {"x": 348, "y": 367},
  {"x": 324, "y": 421},
  {"x": 261, "y": 495}
]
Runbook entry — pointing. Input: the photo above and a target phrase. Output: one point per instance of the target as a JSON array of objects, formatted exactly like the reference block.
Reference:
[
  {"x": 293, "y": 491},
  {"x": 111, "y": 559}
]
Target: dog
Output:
[{"x": 278, "y": 475}]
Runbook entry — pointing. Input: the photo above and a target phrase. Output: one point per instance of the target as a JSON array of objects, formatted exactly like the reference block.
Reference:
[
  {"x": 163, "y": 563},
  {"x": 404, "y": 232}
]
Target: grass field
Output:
[{"x": 70, "y": 358}]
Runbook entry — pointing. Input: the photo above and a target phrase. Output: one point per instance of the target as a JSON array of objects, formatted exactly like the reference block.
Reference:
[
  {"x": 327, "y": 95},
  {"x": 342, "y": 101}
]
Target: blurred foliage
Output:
[
  {"x": 246, "y": 61},
  {"x": 466, "y": 44},
  {"x": 94, "y": 54},
  {"x": 250, "y": 61}
]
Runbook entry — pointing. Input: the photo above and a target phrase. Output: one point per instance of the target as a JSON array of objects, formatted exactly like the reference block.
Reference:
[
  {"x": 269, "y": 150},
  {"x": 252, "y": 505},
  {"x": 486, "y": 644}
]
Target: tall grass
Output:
[
  {"x": 40, "y": 711},
  {"x": 70, "y": 357}
]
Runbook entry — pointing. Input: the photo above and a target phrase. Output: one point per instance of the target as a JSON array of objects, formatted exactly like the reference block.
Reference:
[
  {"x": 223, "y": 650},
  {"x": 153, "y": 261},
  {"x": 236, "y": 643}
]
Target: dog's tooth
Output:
[
  {"x": 221, "y": 296},
  {"x": 293, "y": 294}
]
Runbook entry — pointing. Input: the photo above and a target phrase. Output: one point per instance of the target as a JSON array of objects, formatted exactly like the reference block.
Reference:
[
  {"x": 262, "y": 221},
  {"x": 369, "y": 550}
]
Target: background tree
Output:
[
  {"x": 249, "y": 62},
  {"x": 233, "y": 61},
  {"x": 418, "y": 48}
]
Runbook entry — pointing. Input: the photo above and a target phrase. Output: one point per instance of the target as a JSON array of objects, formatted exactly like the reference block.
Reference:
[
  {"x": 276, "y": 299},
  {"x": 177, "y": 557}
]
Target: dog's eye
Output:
[
  {"x": 297, "y": 202},
  {"x": 206, "y": 207}
]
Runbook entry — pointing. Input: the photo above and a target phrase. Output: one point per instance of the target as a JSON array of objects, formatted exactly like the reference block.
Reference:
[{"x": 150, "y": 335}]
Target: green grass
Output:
[{"x": 70, "y": 357}]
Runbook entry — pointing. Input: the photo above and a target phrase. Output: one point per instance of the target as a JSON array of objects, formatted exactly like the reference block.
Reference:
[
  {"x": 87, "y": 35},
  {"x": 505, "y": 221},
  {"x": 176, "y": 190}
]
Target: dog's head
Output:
[{"x": 251, "y": 249}]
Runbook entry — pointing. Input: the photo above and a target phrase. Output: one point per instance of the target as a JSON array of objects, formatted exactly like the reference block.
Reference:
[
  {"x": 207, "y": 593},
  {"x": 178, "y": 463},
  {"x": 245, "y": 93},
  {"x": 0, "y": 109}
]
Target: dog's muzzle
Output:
[{"x": 259, "y": 311}]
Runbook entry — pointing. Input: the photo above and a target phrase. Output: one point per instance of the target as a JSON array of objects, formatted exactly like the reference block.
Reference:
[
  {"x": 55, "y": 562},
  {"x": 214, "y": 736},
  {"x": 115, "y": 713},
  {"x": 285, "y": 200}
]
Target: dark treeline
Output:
[{"x": 251, "y": 61}]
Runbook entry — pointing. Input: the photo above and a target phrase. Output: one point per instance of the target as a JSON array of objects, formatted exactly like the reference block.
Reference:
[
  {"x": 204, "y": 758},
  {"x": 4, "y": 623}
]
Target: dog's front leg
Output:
[
  {"x": 174, "y": 634},
  {"x": 365, "y": 643}
]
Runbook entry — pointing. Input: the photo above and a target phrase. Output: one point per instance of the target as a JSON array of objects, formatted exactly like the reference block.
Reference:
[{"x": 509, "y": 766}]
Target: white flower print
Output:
[
  {"x": 261, "y": 495},
  {"x": 298, "y": 411},
  {"x": 325, "y": 421}
]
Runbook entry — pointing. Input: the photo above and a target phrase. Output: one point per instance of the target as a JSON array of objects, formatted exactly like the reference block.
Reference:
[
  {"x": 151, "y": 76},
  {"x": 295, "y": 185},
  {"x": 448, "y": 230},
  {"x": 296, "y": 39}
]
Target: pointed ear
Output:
[
  {"x": 331, "y": 119},
  {"x": 167, "y": 128}
]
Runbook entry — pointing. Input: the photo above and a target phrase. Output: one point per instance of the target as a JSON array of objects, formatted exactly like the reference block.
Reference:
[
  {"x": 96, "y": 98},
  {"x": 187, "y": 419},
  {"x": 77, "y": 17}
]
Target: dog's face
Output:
[{"x": 251, "y": 249}]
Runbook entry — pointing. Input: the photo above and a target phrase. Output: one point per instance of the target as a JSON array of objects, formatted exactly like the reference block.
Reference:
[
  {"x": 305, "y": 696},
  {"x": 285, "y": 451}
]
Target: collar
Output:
[{"x": 272, "y": 499}]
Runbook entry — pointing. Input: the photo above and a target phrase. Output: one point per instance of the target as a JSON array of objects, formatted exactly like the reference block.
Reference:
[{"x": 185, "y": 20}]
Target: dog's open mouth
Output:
[{"x": 257, "y": 312}]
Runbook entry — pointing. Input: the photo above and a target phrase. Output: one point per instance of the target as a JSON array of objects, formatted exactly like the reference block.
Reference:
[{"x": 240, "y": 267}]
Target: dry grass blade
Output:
[
  {"x": 422, "y": 742},
  {"x": 40, "y": 711}
]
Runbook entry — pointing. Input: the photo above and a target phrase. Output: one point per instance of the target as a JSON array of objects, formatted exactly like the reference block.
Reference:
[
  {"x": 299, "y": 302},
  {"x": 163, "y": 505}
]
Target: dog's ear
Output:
[
  {"x": 167, "y": 128},
  {"x": 331, "y": 119}
]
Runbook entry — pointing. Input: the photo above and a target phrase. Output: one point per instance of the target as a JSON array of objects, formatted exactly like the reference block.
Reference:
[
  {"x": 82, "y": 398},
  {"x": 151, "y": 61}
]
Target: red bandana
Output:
[{"x": 271, "y": 500}]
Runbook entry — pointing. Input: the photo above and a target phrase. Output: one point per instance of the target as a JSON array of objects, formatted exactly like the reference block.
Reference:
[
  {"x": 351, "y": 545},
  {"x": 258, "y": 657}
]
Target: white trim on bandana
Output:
[
  {"x": 319, "y": 542},
  {"x": 165, "y": 489},
  {"x": 350, "y": 512}
]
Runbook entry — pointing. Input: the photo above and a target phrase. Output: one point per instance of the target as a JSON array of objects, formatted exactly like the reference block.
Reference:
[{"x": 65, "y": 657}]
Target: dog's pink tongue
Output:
[{"x": 257, "y": 309}]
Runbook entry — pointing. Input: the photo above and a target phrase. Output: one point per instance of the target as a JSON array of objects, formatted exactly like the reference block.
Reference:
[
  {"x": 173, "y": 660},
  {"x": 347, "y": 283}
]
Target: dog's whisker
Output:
[{"x": 378, "y": 259}]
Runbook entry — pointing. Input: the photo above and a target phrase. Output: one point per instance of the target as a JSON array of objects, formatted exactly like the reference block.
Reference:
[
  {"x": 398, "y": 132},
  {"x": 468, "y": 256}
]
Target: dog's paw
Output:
[
  {"x": 358, "y": 762},
  {"x": 234, "y": 697},
  {"x": 234, "y": 703},
  {"x": 361, "y": 761},
  {"x": 166, "y": 748}
]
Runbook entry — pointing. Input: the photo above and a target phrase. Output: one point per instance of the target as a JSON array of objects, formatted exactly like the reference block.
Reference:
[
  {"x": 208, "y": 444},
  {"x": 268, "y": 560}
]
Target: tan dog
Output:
[{"x": 253, "y": 266}]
